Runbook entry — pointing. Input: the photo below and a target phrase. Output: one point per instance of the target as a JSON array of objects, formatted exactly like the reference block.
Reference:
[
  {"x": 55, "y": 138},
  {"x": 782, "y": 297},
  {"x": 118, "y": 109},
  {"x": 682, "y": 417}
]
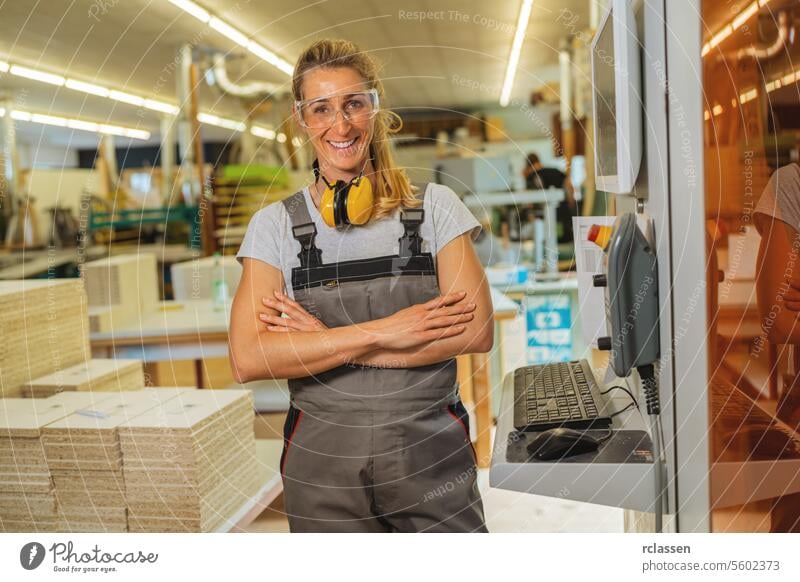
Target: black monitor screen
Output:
[{"x": 605, "y": 100}]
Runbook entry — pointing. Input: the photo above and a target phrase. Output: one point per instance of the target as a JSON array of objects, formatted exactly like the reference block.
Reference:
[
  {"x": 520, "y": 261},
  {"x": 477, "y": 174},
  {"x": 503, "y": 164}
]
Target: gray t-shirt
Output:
[
  {"x": 781, "y": 197},
  {"x": 269, "y": 234}
]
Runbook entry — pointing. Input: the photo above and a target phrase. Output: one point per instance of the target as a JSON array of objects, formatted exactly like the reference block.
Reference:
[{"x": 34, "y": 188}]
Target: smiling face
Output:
[{"x": 341, "y": 148}]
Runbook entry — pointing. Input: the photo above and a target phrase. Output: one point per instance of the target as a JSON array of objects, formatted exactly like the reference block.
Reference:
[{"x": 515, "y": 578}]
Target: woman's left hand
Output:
[{"x": 298, "y": 319}]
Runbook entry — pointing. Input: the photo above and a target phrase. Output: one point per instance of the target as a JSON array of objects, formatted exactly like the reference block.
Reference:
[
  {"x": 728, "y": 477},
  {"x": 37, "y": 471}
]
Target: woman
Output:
[
  {"x": 376, "y": 438},
  {"x": 777, "y": 219}
]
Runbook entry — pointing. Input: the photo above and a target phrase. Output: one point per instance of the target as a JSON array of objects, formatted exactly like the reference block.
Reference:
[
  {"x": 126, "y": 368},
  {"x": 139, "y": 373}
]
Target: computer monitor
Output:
[{"x": 617, "y": 100}]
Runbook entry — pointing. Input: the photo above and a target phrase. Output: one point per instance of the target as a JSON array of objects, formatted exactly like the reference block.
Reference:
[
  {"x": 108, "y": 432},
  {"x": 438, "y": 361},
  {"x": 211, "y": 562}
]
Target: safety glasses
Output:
[{"x": 320, "y": 113}]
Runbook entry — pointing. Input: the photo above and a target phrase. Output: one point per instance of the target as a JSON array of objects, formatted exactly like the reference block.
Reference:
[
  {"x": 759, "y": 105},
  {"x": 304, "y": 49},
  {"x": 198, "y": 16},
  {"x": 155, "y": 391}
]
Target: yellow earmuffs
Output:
[{"x": 345, "y": 202}]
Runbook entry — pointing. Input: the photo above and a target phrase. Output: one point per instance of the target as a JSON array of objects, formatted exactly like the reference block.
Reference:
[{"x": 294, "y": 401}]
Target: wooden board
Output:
[
  {"x": 157, "y": 459},
  {"x": 190, "y": 464},
  {"x": 83, "y": 454},
  {"x": 125, "y": 286},
  {"x": 27, "y": 496},
  {"x": 44, "y": 329},
  {"x": 103, "y": 318},
  {"x": 97, "y": 375}
]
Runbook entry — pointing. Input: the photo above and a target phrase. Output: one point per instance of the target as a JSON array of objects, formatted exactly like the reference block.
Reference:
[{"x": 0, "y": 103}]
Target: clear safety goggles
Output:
[{"x": 320, "y": 113}]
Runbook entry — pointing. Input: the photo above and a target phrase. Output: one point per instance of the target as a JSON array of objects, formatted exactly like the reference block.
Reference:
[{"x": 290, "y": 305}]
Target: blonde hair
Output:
[{"x": 392, "y": 185}]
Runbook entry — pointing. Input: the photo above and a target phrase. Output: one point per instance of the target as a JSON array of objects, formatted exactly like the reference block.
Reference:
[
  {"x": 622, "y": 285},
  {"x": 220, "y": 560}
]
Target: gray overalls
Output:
[{"x": 370, "y": 449}]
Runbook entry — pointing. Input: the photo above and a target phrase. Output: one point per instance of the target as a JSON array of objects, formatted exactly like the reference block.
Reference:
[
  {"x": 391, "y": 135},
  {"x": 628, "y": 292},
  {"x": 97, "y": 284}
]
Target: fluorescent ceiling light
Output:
[
  {"x": 131, "y": 99},
  {"x": 734, "y": 24},
  {"x": 82, "y": 125},
  {"x": 45, "y": 119},
  {"x": 37, "y": 75},
  {"x": 124, "y": 131},
  {"x": 264, "y": 132},
  {"x": 211, "y": 119},
  {"x": 720, "y": 36},
  {"x": 92, "y": 89},
  {"x": 76, "y": 85},
  {"x": 744, "y": 15},
  {"x": 726, "y": 31},
  {"x": 48, "y": 119},
  {"x": 126, "y": 97},
  {"x": 516, "y": 49},
  {"x": 238, "y": 36},
  {"x": 160, "y": 106},
  {"x": 137, "y": 134},
  {"x": 20, "y": 115},
  {"x": 270, "y": 57},
  {"x": 747, "y": 96},
  {"x": 191, "y": 8},
  {"x": 227, "y": 30}
]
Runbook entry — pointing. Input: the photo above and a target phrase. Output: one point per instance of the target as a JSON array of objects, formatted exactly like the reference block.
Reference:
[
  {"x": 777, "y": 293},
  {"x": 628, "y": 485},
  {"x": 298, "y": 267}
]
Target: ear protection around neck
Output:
[{"x": 345, "y": 202}]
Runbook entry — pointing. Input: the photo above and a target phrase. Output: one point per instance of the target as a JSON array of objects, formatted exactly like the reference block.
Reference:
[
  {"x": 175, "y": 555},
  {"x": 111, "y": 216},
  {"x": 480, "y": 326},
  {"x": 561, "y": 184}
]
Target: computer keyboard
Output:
[{"x": 560, "y": 394}]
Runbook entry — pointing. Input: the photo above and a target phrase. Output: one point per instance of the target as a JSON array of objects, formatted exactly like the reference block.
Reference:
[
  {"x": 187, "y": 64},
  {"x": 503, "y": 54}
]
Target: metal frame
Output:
[
  {"x": 621, "y": 18},
  {"x": 655, "y": 174},
  {"x": 688, "y": 268}
]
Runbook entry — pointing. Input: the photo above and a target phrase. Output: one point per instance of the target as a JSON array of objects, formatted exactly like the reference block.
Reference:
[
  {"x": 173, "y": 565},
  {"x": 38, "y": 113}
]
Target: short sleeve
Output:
[
  {"x": 451, "y": 218},
  {"x": 781, "y": 197},
  {"x": 263, "y": 236}
]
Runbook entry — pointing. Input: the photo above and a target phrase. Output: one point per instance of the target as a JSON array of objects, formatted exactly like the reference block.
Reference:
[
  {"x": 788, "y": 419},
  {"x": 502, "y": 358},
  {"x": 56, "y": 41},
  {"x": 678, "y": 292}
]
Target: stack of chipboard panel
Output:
[
  {"x": 97, "y": 375},
  {"x": 191, "y": 464},
  {"x": 121, "y": 289},
  {"x": 27, "y": 497},
  {"x": 84, "y": 458},
  {"x": 43, "y": 328}
]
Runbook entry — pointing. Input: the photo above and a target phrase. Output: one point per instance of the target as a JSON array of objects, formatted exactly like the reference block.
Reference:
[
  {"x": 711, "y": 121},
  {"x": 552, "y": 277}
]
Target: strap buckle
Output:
[
  {"x": 411, "y": 242},
  {"x": 310, "y": 256}
]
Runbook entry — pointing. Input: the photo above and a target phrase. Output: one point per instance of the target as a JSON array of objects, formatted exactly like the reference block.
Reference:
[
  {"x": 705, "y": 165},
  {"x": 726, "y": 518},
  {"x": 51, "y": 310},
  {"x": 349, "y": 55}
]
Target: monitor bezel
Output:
[{"x": 628, "y": 99}]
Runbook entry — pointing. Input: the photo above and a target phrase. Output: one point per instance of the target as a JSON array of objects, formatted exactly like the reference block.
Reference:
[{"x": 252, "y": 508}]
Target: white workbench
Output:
[{"x": 176, "y": 330}]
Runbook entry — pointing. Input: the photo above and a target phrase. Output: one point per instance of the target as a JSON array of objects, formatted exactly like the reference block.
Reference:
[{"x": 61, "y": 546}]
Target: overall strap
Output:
[
  {"x": 303, "y": 230},
  {"x": 412, "y": 219}
]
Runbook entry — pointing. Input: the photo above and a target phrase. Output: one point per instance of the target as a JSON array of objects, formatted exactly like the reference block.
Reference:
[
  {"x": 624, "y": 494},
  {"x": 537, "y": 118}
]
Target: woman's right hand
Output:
[{"x": 439, "y": 318}]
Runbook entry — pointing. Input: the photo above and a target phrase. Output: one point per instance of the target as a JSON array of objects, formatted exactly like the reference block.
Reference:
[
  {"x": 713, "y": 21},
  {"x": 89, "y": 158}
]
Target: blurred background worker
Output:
[{"x": 538, "y": 177}]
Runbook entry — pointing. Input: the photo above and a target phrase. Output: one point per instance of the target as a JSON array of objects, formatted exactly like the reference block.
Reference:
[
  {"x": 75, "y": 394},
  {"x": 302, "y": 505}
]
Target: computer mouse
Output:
[{"x": 558, "y": 443}]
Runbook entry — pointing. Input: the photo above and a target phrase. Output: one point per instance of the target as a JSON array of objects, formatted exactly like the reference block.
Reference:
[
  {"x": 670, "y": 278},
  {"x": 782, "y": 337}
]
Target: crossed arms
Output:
[{"x": 265, "y": 345}]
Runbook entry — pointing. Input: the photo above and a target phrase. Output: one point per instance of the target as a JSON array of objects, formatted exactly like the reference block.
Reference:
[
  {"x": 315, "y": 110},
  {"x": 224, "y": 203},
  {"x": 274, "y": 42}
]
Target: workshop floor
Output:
[{"x": 506, "y": 512}]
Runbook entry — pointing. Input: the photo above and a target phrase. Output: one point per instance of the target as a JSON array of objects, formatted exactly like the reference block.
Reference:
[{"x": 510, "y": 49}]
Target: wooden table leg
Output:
[
  {"x": 464, "y": 368},
  {"x": 481, "y": 392},
  {"x": 198, "y": 372},
  {"x": 151, "y": 373}
]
